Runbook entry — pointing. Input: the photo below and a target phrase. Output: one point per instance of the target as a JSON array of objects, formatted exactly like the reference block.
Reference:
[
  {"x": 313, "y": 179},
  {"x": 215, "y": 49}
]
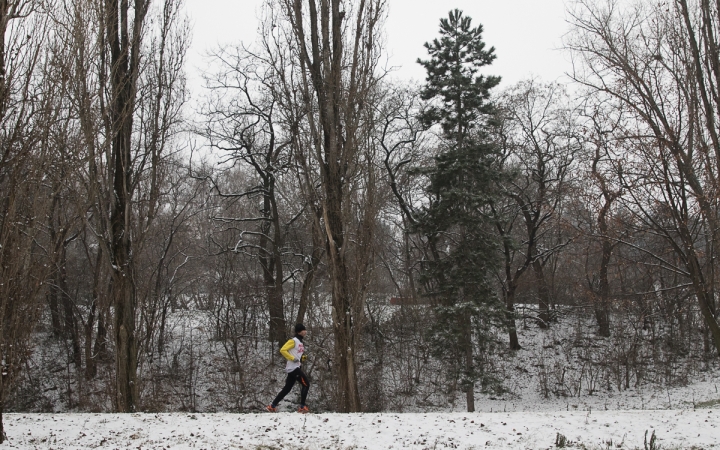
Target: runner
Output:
[{"x": 293, "y": 351}]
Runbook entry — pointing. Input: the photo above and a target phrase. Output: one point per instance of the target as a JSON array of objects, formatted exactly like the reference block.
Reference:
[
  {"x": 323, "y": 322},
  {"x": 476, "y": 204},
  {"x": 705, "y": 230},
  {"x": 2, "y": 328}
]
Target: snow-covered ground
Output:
[
  {"x": 674, "y": 429},
  {"x": 561, "y": 389}
]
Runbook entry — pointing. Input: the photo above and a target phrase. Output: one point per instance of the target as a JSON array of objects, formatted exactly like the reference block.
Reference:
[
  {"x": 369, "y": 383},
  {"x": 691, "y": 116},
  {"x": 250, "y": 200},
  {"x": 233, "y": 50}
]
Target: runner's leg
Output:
[
  {"x": 305, "y": 382},
  {"x": 289, "y": 383}
]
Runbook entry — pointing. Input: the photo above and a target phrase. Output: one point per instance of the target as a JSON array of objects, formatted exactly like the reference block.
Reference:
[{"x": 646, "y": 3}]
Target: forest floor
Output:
[{"x": 673, "y": 429}]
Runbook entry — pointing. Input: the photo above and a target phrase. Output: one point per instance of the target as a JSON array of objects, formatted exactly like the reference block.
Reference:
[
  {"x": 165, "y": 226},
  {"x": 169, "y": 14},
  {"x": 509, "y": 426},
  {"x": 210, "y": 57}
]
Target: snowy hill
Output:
[{"x": 566, "y": 388}]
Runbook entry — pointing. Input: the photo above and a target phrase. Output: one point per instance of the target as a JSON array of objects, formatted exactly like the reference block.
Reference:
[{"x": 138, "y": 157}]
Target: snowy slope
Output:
[
  {"x": 519, "y": 430},
  {"x": 560, "y": 383}
]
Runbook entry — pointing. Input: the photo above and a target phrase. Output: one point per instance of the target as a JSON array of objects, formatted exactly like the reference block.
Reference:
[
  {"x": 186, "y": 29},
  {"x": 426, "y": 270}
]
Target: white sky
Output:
[{"x": 526, "y": 34}]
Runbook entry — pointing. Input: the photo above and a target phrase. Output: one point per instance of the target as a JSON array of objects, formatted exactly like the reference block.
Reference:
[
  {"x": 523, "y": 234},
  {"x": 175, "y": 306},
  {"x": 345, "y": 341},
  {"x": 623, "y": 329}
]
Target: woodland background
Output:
[{"x": 152, "y": 257}]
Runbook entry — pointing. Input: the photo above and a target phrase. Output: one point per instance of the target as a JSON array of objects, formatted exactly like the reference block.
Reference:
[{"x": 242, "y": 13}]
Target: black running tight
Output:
[{"x": 296, "y": 375}]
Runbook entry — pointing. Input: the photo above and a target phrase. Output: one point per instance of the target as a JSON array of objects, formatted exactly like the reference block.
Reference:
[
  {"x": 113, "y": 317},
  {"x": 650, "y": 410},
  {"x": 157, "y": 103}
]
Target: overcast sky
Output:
[{"x": 526, "y": 34}]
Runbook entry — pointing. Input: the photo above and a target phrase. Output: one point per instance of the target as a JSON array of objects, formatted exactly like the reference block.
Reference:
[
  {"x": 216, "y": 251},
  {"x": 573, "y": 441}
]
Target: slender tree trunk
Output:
[
  {"x": 70, "y": 326},
  {"x": 469, "y": 365},
  {"x": 602, "y": 299},
  {"x": 52, "y": 296},
  {"x": 342, "y": 299},
  {"x": 305, "y": 295},
  {"x": 706, "y": 338},
  {"x": 90, "y": 357},
  {"x": 511, "y": 281},
  {"x": 339, "y": 81},
  {"x": 543, "y": 293},
  {"x": 53, "y": 292},
  {"x": 100, "y": 347},
  {"x": 2, "y": 424},
  {"x": 271, "y": 263},
  {"x": 4, "y": 21},
  {"x": 315, "y": 259},
  {"x": 90, "y": 363},
  {"x": 277, "y": 265},
  {"x": 704, "y": 301},
  {"x": 602, "y": 313},
  {"x": 343, "y": 327},
  {"x": 161, "y": 328},
  {"x": 124, "y": 71},
  {"x": 510, "y": 307},
  {"x": 532, "y": 217}
]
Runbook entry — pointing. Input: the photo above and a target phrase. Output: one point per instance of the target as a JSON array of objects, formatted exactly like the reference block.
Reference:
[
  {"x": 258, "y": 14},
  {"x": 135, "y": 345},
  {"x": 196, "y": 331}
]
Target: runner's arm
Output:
[{"x": 285, "y": 350}]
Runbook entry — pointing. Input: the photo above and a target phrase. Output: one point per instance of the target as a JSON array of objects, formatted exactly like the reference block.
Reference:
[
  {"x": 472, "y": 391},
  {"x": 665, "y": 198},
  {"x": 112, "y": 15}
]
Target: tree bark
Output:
[
  {"x": 511, "y": 278},
  {"x": 601, "y": 299},
  {"x": 100, "y": 351},
  {"x": 70, "y": 326},
  {"x": 90, "y": 363},
  {"x": 52, "y": 297},
  {"x": 124, "y": 71},
  {"x": 469, "y": 365},
  {"x": 510, "y": 306},
  {"x": 602, "y": 310},
  {"x": 90, "y": 356},
  {"x": 543, "y": 293},
  {"x": 271, "y": 260},
  {"x": 311, "y": 268}
]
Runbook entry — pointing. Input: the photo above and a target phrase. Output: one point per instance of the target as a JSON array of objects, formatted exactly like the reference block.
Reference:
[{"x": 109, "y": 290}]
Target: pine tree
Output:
[{"x": 461, "y": 187}]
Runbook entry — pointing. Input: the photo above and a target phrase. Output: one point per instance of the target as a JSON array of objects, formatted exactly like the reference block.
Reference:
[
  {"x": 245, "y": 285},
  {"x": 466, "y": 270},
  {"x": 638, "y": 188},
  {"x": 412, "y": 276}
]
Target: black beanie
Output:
[{"x": 299, "y": 327}]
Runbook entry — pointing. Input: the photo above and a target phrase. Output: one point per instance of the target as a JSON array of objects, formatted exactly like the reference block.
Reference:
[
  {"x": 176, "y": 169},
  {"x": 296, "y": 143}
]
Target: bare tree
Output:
[
  {"x": 405, "y": 148},
  {"x": 243, "y": 124},
  {"x": 125, "y": 90},
  {"x": 539, "y": 146},
  {"x": 659, "y": 62},
  {"x": 124, "y": 39},
  {"x": 605, "y": 172},
  {"x": 24, "y": 158},
  {"x": 336, "y": 50}
]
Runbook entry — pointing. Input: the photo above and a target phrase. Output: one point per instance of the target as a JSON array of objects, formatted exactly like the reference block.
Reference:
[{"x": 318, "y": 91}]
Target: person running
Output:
[{"x": 294, "y": 352}]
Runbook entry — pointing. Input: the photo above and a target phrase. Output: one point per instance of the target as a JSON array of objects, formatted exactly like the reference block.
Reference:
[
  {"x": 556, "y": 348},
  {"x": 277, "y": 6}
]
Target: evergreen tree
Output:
[{"x": 460, "y": 189}]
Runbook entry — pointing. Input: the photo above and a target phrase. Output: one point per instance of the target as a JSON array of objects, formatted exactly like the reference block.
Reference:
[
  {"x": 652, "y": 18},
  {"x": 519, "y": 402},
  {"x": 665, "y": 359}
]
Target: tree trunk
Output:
[
  {"x": 701, "y": 294},
  {"x": 70, "y": 326},
  {"x": 271, "y": 263},
  {"x": 161, "y": 328},
  {"x": 602, "y": 313},
  {"x": 343, "y": 319},
  {"x": 52, "y": 296},
  {"x": 125, "y": 343},
  {"x": 532, "y": 259},
  {"x": 511, "y": 279},
  {"x": 510, "y": 306},
  {"x": 53, "y": 292},
  {"x": 469, "y": 365},
  {"x": 339, "y": 82},
  {"x": 543, "y": 293},
  {"x": 124, "y": 71},
  {"x": 90, "y": 363},
  {"x": 2, "y": 425},
  {"x": 100, "y": 347},
  {"x": 602, "y": 300},
  {"x": 315, "y": 259}
]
